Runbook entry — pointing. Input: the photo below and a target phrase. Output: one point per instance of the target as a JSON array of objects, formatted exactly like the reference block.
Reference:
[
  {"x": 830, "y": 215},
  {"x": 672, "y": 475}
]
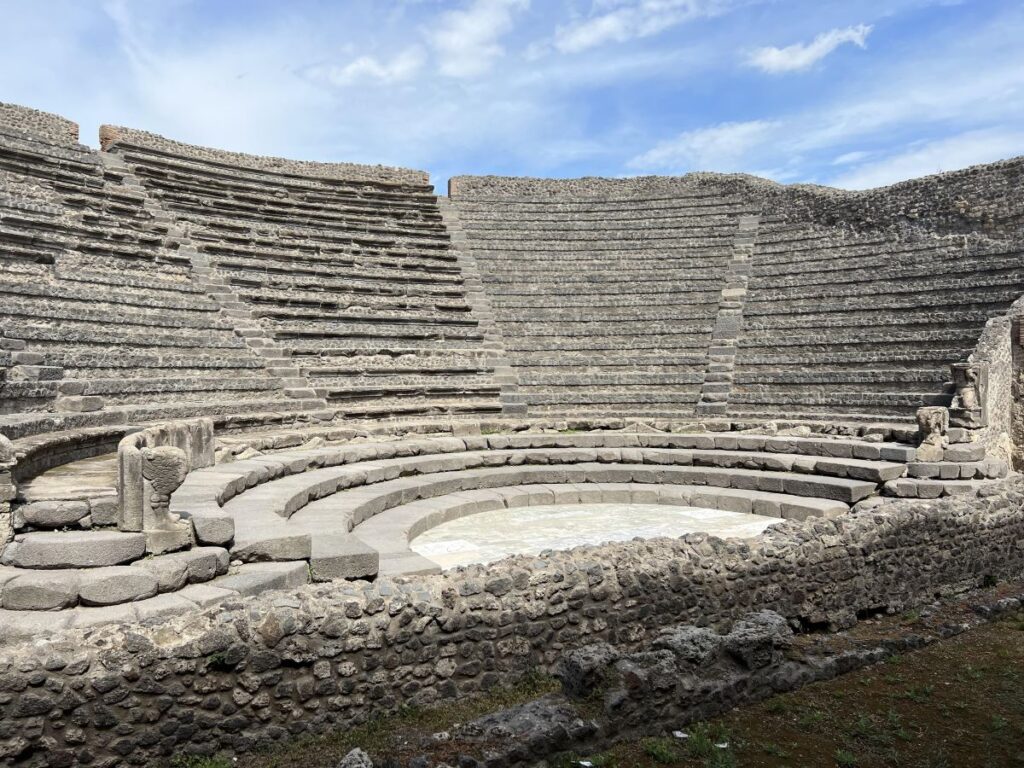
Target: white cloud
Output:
[
  {"x": 364, "y": 69},
  {"x": 848, "y": 158},
  {"x": 960, "y": 151},
  {"x": 724, "y": 147},
  {"x": 967, "y": 89},
  {"x": 467, "y": 42},
  {"x": 803, "y": 55},
  {"x": 631, "y": 19}
]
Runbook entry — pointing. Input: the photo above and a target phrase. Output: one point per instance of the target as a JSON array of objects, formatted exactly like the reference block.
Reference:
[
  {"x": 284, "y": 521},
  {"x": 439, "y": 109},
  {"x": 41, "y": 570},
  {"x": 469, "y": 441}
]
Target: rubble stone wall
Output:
[
  {"x": 986, "y": 199},
  {"x": 112, "y": 134},
  {"x": 995, "y": 348},
  {"x": 46, "y": 125},
  {"x": 251, "y": 672}
]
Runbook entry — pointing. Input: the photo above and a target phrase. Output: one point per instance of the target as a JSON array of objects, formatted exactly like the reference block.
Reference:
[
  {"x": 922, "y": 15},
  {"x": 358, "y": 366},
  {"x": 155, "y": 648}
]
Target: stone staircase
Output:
[{"x": 714, "y": 393}]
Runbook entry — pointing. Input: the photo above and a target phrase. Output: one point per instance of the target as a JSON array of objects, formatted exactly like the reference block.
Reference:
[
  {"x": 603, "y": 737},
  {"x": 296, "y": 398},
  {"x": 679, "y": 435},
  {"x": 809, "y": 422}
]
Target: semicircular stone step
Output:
[{"x": 74, "y": 549}]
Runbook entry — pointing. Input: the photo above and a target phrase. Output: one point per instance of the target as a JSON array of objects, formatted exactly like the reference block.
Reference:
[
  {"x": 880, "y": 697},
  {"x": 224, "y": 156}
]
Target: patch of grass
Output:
[
  {"x": 919, "y": 693},
  {"x": 603, "y": 760},
  {"x": 661, "y": 750},
  {"x": 774, "y": 750},
  {"x": 778, "y": 705},
  {"x": 195, "y": 761},
  {"x": 845, "y": 759},
  {"x": 811, "y": 719}
]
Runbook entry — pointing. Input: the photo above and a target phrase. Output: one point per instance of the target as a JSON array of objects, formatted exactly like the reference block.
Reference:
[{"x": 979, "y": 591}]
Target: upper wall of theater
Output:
[
  {"x": 111, "y": 135},
  {"x": 45, "y": 125},
  {"x": 987, "y": 199}
]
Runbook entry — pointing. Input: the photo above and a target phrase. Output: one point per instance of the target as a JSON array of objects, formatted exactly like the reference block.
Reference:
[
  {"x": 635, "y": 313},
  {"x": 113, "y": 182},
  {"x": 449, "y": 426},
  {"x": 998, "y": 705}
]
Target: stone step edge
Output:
[{"x": 240, "y": 581}]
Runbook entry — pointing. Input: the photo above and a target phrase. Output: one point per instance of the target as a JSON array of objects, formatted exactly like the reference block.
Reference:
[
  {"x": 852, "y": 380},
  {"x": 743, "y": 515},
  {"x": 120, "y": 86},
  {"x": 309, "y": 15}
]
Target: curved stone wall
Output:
[
  {"x": 33, "y": 122},
  {"x": 241, "y": 676},
  {"x": 112, "y": 135}
]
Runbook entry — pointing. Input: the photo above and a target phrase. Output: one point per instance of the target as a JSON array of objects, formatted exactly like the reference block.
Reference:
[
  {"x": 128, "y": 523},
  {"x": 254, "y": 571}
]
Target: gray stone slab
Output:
[
  {"x": 74, "y": 549},
  {"x": 115, "y": 585},
  {"x": 254, "y": 578}
]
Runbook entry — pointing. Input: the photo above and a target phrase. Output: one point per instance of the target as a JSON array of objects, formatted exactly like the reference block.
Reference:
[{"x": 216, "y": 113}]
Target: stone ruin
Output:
[{"x": 233, "y": 389}]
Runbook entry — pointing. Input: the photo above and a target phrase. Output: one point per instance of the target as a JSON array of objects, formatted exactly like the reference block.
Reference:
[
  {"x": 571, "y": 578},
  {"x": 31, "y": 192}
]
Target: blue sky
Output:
[{"x": 852, "y": 94}]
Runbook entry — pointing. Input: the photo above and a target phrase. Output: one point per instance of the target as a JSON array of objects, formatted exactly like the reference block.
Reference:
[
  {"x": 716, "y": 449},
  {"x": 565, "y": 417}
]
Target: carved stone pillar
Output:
[
  {"x": 164, "y": 468},
  {"x": 969, "y": 408},
  {"x": 932, "y": 426}
]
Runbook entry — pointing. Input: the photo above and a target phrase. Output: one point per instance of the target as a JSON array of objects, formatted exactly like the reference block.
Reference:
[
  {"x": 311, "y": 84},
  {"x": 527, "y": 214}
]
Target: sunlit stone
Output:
[{"x": 490, "y": 536}]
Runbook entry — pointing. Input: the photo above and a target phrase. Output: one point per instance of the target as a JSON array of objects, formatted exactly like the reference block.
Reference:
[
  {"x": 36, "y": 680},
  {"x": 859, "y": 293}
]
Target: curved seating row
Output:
[
  {"x": 353, "y": 279},
  {"x": 391, "y": 534},
  {"x": 305, "y": 503},
  {"x": 863, "y": 323}
]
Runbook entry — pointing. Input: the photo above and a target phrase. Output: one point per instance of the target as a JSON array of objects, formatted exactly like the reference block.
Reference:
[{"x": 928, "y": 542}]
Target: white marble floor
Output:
[{"x": 489, "y": 536}]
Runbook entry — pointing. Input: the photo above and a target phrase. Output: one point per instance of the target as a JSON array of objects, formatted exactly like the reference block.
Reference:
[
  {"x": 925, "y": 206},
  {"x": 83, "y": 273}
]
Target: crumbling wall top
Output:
[
  {"x": 44, "y": 125},
  {"x": 113, "y": 135}
]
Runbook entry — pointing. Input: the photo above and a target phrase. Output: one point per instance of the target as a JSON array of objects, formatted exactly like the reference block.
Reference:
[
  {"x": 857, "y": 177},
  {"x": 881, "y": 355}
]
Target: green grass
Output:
[{"x": 192, "y": 761}]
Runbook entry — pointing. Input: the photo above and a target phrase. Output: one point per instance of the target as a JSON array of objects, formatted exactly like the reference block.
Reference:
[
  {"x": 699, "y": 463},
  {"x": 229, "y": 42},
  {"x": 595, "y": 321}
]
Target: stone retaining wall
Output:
[
  {"x": 491, "y": 187},
  {"x": 45, "y": 125},
  {"x": 996, "y": 350},
  {"x": 251, "y": 672},
  {"x": 114, "y": 134},
  {"x": 988, "y": 199}
]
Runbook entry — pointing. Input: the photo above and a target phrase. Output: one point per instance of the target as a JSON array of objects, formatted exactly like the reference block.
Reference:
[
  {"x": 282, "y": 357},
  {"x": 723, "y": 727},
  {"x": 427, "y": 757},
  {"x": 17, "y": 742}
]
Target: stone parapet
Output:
[
  {"x": 113, "y": 135},
  {"x": 36, "y": 123}
]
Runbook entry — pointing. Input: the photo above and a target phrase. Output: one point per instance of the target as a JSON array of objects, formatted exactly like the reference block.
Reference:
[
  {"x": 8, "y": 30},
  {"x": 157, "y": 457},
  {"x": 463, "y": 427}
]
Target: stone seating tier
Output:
[
  {"x": 115, "y": 287},
  {"x": 894, "y": 312},
  {"x": 280, "y": 505},
  {"x": 317, "y": 263},
  {"x": 595, "y": 278}
]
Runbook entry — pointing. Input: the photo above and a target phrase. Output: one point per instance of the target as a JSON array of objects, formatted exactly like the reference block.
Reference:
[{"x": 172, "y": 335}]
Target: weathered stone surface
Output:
[
  {"x": 357, "y": 758},
  {"x": 114, "y": 585},
  {"x": 53, "y": 514},
  {"x": 584, "y": 669},
  {"x": 43, "y": 591},
  {"x": 174, "y": 571},
  {"x": 74, "y": 549}
]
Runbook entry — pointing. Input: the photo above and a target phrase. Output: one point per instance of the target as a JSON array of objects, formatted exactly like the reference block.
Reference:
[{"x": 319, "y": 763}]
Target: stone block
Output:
[
  {"x": 74, "y": 549},
  {"x": 80, "y": 404},
  {"x": 115, "y": 585},
  {"x": 53, "y": 514},
  {"x": 342, "y": 557},
  {"x": 42, "y": 591},
  {"x": 964, "y": 452}
]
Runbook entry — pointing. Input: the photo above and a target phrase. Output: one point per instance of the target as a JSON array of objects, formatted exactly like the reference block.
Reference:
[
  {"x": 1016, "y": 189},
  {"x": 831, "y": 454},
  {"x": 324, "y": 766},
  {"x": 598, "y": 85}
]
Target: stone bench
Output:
[
  {"x": 310, "y": 475},
  {"x": 240, "y": 581},
  {"x": 391, "y": 532},
  {"x": 352, "y": 508},
  {"x": 164, "y": 162}
]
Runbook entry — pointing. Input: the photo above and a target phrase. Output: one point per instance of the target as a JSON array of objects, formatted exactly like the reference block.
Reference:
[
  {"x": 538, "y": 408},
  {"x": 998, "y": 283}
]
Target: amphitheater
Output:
[{"x": 236, "y": 390}]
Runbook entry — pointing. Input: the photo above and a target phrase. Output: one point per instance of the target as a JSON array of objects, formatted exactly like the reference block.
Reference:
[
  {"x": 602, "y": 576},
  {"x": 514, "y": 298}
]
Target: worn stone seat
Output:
[
  {"x": 390, "y": 532},
  {"x": 255, "y": 502},
  {"x": 243, "y": 580}
]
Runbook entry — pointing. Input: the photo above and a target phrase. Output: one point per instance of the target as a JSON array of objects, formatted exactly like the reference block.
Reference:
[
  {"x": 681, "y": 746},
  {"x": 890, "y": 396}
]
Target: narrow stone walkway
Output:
[{"x": 82, "y": 480}]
